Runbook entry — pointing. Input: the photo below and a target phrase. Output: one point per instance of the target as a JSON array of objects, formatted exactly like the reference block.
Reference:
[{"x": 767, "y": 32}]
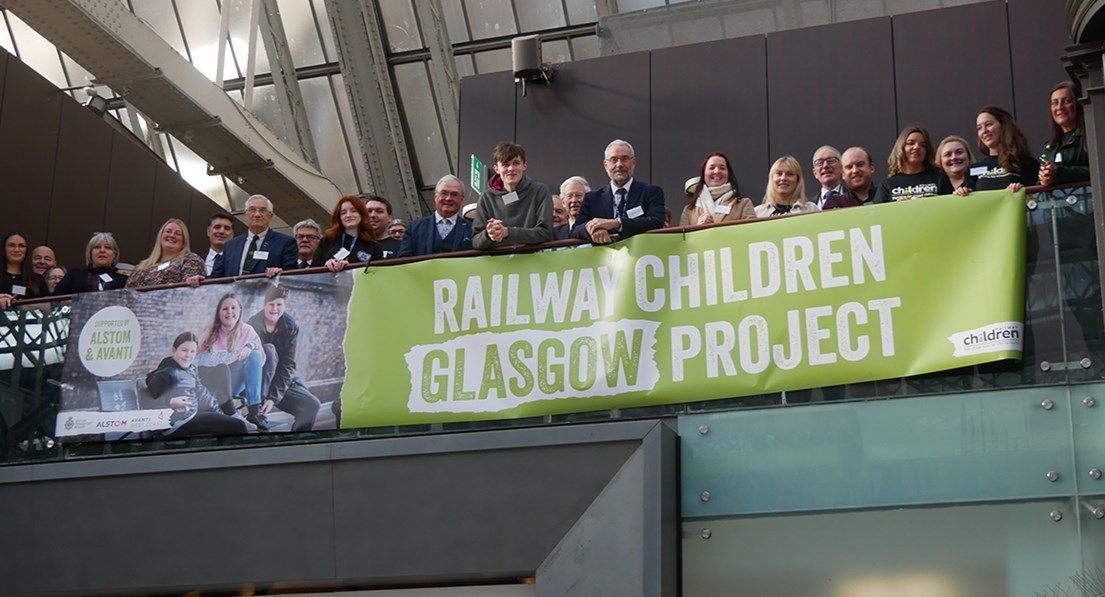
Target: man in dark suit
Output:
[
  {"x": 307, "y": 234},
  {"x": 259, "y": 250},
  {"x": 624, "y": 207},
  {"x": 443, "y": 231},
  {"x": 828, "y": 171}
]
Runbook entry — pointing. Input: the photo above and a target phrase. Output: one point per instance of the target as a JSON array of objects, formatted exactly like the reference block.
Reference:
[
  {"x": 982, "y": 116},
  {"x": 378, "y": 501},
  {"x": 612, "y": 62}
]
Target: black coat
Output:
[
  {"x": 284, "y": 339},
  {"x": 170, "y": 380},
  {"x": 87, "y": 280}
]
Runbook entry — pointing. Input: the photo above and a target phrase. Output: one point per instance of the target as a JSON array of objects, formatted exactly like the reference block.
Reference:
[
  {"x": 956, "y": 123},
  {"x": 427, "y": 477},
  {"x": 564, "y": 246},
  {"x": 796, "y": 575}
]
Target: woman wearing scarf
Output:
[{"x": 714, "y": 195}]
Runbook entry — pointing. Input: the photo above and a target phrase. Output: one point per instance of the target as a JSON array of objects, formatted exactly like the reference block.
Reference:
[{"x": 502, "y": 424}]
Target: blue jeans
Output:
[{"x": 245, "y": 378}]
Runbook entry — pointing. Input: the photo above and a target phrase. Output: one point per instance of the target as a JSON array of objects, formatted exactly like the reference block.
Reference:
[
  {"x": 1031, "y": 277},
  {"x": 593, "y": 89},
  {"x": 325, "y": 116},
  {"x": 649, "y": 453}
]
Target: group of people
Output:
[
  {"x": 254, "y": 358},
  {"x": 516, "y": 209}
]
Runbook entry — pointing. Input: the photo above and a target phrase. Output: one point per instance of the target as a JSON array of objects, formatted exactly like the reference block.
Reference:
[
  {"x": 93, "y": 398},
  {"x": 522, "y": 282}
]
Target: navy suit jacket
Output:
[
  {"x": 599, "y": 203},
  {"x": 281, "y": 248},
  {"x": 419, "y": 239}
]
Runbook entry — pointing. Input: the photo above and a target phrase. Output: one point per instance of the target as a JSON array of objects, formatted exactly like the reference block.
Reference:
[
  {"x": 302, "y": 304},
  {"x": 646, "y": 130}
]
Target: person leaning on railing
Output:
[
  {"x": 515, "y": 209},
  {"x": 101, "y": 256},
  {"x": 349, "y": 239},
  {"x": 443, "y": 231},
  {"x": 1007, "y": 163},
  {"x": 911, "y": 172},
  {"x": 954, "y": 158},
  {"x": 1064, "y": 158},
  {"x": 171, "y": 260},
  {"x": 19, "y": 280},
  {"x": 714, "y": 195},
  {"x": 785, "y": 193}
]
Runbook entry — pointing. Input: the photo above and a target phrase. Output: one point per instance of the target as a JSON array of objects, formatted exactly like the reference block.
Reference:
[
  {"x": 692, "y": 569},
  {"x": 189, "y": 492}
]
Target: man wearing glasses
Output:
[
  {"x": 829, "y": 172},
  {"x": 258, "y": 251},
  {"x": 625, "y": 206},
  {"x": 443, "y": 231},
  {"x": 307, "y": 234}
]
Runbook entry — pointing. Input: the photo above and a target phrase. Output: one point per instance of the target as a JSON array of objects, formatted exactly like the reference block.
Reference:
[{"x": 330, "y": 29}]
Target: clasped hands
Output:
[
  {"x": 599, "y": 229},
  {"x": 496, "y": 230}
]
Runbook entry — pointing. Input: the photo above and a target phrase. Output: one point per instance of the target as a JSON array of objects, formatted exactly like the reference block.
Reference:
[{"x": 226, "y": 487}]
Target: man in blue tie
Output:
[
  {"x": 260, "y": 250},
  {"x": 624, "y": 207},
  {"x": 443, "y": 231}
]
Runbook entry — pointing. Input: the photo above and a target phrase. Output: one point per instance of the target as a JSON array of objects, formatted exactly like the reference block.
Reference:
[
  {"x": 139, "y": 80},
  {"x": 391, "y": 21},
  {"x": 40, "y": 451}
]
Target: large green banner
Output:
[{"x": 843, "y": 296}]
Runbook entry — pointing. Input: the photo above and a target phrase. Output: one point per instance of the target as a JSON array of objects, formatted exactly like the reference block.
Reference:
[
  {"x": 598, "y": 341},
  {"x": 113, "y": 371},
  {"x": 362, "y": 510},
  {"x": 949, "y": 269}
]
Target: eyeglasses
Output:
[
  {"x": 620, "y": 159},
  {"x": 829, "y": 161},
  {"x": 306, "y": 237},
  {"x": 257, "y": 210},
  {"x": 452, "y": 194}
]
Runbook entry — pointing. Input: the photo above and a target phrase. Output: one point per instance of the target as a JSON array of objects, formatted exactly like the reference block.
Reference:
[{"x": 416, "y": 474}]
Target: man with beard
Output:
[
  {"x": 625, "y": 206},
  {"x": 858, "y": 173}
]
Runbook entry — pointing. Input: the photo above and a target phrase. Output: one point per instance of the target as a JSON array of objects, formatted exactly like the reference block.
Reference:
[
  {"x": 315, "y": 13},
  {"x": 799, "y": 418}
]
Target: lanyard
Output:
[{"x": 353, "y": 241}]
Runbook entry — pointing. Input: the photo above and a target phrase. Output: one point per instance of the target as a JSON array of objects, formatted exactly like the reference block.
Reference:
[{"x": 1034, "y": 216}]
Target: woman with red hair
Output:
[{"x": 349, "y": 239}]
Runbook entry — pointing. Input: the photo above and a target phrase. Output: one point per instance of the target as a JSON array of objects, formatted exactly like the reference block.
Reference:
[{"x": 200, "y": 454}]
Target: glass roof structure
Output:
[{"x": 478, "y": 34}]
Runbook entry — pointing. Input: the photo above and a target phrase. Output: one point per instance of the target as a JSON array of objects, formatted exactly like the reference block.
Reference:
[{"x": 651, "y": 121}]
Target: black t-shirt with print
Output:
[
  {"x": 990, "y": 176},
  {"x": 901, "y": 187}
]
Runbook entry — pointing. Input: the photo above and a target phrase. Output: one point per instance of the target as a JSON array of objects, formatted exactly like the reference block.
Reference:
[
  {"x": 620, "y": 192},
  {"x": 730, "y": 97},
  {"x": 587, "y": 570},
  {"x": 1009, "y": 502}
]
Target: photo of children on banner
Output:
[{"x": 239, "y": 360}]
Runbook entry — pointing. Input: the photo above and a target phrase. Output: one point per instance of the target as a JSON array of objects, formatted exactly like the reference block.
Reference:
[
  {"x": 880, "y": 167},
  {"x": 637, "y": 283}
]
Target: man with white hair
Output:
[
  {"x": 307, "y": 234},
  {"x": 572, "y": 191},
  {"x": 443, "y": 231},
  {"x": 259, "y": 250},
  {"x": 828, "y": 171},
  {"x": 624, "y": 207}
]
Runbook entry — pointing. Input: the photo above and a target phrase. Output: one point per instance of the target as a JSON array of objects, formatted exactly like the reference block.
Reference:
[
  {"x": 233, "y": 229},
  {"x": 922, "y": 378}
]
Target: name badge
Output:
[
  {"x": 19, "y": 290},
  {"x": 511, "y": 197},
  {"x": 636, "y": 212},
  {"x": 723, "y": 209},
  {"x": 1058, "y": 158},
  {"x": 259, "y": 255},
  {"x": 978, "y": 170},
  {"x": 163, "y": 266},
  {"x": 105, "y": 277},
  {"x": 342, "y": 253}
]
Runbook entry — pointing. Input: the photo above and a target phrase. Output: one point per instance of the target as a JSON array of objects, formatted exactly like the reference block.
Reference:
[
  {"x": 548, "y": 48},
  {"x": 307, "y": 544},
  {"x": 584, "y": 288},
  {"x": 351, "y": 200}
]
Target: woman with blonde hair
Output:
[
  {"x": 911, "y": 169},
  {"x": 232, "y": 342},
  {"x": 171, "y": 261},
  {"x": 953, "y": 155},
  {"x": 786, "y": 193}
]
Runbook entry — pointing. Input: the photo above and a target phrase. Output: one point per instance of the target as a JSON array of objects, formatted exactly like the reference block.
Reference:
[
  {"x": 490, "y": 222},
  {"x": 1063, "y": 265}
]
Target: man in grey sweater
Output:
[{"x": 514, "y": 210}]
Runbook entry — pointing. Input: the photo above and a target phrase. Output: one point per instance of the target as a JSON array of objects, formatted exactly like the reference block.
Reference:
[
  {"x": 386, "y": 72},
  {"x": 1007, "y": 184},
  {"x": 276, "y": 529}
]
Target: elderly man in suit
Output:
[
  {"x": 443, "y": 231},
  {"x": 624, "y": 207},
  {"x": 259, "y": 250}
]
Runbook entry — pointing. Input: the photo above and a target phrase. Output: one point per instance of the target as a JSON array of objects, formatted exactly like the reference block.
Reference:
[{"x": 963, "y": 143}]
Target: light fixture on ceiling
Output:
[{"x": 97, "y": 104}]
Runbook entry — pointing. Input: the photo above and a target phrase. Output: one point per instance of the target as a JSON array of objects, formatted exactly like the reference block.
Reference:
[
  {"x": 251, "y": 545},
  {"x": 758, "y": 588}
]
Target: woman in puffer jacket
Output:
[{"x": 195, "y": 408}]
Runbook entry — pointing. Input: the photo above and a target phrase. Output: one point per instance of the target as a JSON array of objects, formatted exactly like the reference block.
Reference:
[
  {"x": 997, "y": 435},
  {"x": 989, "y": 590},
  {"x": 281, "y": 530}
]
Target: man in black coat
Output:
[{"x": 281, "y": 387}]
